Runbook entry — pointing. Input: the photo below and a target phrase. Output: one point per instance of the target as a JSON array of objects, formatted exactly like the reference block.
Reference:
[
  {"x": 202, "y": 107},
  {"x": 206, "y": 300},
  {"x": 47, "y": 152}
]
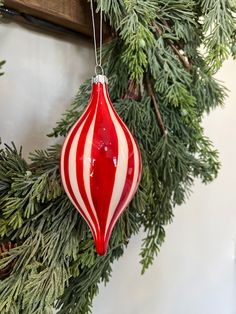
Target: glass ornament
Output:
[{"x": 100, "y": 165}]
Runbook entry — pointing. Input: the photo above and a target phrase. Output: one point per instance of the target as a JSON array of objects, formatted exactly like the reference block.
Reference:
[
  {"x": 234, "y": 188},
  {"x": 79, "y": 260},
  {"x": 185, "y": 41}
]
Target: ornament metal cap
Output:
[{"x": 99, "y": 79}]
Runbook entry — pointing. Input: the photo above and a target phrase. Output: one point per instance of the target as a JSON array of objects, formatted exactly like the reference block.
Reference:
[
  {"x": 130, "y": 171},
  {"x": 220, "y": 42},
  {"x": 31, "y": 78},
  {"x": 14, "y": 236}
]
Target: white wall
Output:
[
  {"x": 195, "y": 270},
  {"x": 42, "y": 75}
]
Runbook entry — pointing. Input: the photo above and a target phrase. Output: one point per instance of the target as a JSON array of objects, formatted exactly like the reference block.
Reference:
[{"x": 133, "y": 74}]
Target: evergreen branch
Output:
[
  {"x": 219, "y": 27},
  {"x": 132, "y": 91},
  {"x": 182, "y": 59},
  {"x": 156, "y": 106}
]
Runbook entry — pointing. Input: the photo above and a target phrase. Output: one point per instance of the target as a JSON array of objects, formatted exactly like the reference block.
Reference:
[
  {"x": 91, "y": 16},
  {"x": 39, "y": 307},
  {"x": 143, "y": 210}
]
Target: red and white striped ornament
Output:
[{"x": 100, "y": 165}]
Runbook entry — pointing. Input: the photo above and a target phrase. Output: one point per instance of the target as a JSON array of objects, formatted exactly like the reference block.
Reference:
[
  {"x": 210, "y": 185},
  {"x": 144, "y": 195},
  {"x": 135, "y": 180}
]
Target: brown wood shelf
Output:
[{"x": 74, "y": 15}]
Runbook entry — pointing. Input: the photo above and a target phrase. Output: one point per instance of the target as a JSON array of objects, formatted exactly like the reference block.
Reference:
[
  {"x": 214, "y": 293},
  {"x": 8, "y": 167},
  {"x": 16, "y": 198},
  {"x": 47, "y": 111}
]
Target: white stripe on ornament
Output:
[
  {"x": 64, "y": 146},
  {"x": 73, "y": 176},
  {"x": 63, "y": 153},
  {"x": 87, "y": 161},
  {"x": 135, "y": 177},
  {"x": 136, "y": 172},
  {"x": 122, "y": 164}
]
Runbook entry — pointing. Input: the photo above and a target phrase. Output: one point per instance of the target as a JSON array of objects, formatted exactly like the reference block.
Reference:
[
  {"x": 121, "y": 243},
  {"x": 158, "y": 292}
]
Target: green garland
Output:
[{"x": 161, "y": 85}]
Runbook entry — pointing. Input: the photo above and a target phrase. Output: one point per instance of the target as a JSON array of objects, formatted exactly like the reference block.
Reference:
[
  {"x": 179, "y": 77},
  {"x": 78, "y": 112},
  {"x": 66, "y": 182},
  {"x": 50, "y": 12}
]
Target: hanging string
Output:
[{"x": 98, "y": 65}]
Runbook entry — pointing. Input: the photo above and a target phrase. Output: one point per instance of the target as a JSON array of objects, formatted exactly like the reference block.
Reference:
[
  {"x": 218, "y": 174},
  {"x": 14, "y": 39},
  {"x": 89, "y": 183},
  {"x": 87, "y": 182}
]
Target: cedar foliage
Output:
[{"x": 161, "y": 85}]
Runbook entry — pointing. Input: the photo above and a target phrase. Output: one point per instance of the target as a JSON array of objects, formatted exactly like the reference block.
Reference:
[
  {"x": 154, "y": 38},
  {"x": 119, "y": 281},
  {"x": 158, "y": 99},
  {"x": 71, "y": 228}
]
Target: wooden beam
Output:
[{"x": 72, "y": 14}]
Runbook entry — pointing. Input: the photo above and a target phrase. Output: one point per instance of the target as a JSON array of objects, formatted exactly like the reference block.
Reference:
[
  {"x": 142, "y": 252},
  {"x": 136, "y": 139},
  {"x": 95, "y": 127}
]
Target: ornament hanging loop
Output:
[
  {"x": 99, "y": 69},
  {"x": 98, "y": 64}
]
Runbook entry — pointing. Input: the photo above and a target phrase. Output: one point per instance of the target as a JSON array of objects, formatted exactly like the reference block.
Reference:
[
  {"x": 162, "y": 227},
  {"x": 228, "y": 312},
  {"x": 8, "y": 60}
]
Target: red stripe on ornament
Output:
[
  {"x": 105, "y": 155},
  {"x": 80, "y": 159}
]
